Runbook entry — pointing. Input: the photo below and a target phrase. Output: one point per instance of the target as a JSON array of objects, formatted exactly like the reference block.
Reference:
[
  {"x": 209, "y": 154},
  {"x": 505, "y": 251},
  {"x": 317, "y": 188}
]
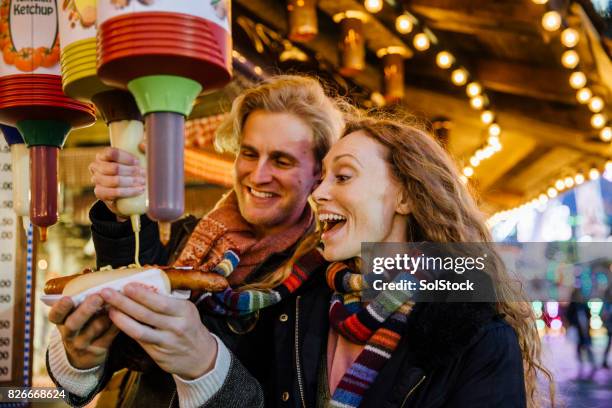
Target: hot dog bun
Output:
[{"x": 89, "y": 280}]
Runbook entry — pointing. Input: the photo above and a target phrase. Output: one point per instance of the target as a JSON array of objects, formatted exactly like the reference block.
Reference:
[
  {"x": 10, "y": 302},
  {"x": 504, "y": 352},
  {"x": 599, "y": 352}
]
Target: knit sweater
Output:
[{"x": 191, "y": 393}]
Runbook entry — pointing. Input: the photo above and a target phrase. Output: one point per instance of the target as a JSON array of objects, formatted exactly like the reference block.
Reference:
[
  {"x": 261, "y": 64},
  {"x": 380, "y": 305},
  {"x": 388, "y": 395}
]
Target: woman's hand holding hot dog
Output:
[
  {"x": 86, "y": 334},
  {"x": 168, "y": 329}
]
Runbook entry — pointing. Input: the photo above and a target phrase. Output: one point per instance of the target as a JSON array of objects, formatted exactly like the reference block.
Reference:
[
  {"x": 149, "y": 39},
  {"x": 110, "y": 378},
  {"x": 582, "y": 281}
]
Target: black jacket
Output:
[{"x": 451, "y": 355}]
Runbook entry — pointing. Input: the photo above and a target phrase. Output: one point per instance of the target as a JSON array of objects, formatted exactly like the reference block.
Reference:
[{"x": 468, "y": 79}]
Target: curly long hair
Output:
[{"x": 444, "y": 210}]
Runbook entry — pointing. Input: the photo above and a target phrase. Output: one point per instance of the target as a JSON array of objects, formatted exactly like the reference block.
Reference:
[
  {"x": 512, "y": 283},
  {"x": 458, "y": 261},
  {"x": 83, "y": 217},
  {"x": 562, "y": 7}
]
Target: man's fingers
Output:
[
  {"x": 115, "y": 169},
  {"x": 106, "y": 339},
  {"x": 81, "y": 315},
  {"x": 118, "y": 181},
  {"x": 117, "y": 155},
  {"x": 136, "y": 310},
  {"x": 60, "y": 310},
  {"x": 134, "y": 329},
  {"x": 110, "y": 194}
]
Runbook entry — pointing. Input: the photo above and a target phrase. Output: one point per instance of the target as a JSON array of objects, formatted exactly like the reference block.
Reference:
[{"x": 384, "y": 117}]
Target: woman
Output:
[{"x": 387, "y": 182}]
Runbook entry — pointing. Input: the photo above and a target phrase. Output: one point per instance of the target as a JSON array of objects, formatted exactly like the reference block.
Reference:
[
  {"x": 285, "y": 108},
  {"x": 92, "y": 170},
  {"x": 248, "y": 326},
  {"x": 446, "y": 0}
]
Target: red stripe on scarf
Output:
[{"x": 355, "y": 328}]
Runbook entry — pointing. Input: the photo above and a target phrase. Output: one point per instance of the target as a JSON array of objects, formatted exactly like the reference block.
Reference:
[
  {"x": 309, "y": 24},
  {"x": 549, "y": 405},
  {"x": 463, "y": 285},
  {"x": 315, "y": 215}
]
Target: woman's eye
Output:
[{"x": 342, "y": 178}]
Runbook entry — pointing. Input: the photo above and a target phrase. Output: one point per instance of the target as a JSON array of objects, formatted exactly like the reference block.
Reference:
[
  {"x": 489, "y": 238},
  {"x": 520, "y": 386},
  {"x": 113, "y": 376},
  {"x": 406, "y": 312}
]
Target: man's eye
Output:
[{"x": 248, "y": 154}]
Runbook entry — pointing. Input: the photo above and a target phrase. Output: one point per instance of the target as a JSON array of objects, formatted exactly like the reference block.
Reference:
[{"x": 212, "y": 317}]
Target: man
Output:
[{"x": 280, "y": 131}]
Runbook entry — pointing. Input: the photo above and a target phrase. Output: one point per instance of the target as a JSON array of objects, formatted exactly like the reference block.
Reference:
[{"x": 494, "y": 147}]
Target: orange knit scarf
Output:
[{"x": 224, "y": 229}]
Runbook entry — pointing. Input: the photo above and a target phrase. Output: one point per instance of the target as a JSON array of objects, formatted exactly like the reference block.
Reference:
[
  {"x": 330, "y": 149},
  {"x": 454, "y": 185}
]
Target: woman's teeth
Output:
[
  {"x": 331, "y": 217},
  {"x": 331, "y": 220},
  {"x": 261, "y": 194}
]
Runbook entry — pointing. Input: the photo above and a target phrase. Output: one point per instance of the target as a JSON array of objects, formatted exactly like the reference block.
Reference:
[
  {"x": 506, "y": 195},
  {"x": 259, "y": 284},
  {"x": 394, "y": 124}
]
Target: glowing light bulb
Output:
[
  {"x": 421, "y": 42},
  {"x": 570, "y": 59},
  {"x": 560, "y": 185},
  {"x": 579, "y": 179},
  {"x": 577, "y": 80},
  {"x": 493, "y": 140},
  {"x": 445, "y": 59},
  {"x": 459, "y": 76},
  {"x": 598, "y": 120},
  {"x": 606, "y": 134},
  {"x": 480, "y": 155},
  {"x": 596, "y": 104},
  {"x": 540, "y": 1},
  {"x": 593, "y": 174},
  {"x": 551, "y": 21},
  {"x": 552, "y": 192},
  {"x": 473, "y": 89},
  {"x": 569, "y": 37},
  {"x": 474, "y": 161},
  {"x": 373, "y": 6},
  {"x": 494, "y": 129},
  {"x": 488, "y": 151},
  {"x": 584, "y": 95},
  {"x": 569, "y": 182},
  {"x": 487, "y": 117},
  {"x": 543, "y": 199},
  {"x": 468, "y": 171},
  {"x": 608, "y": 166},
  {"x": 403, "y": 24},
  {"x": 477, "y": 102}
]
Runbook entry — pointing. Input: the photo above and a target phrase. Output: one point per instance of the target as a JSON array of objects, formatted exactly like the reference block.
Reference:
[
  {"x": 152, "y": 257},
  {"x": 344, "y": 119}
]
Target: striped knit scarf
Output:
[
  {"x": 378, "y": 326},
  {"x": 238, "y": 303}
]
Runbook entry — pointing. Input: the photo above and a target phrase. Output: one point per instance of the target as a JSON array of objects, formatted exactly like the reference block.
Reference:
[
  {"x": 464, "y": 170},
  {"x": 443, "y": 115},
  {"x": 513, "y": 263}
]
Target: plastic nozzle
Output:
[
  {"x": 164, "y": 232},
  {"x": 43, "y": 234}
]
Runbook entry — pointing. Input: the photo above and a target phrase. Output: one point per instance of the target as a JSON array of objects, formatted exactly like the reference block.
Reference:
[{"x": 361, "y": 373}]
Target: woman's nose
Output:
[{"x": 321, "y": 193}]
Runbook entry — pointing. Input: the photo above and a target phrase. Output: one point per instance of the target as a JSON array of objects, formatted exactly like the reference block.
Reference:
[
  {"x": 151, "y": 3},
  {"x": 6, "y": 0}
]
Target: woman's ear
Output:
[{"x": 403, "y": 206}]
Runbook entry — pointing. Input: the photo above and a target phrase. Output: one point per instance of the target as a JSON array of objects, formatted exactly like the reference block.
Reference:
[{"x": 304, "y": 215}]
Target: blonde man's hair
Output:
[{"x": 301, "y": 96}]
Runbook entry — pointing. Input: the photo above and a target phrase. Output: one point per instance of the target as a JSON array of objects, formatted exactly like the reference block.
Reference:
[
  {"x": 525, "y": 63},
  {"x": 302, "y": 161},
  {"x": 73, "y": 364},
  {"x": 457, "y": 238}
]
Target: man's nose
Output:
[{"x": 262, "y": 173}]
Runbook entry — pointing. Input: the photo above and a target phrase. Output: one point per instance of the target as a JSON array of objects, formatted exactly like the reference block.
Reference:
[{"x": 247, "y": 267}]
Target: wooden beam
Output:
[
  {"x": 469, "y": 16},
  {"x": 542, "y": 173},
  {"x": 517, "y": 146},
  {"x": 515, "y": 78},
  {"x": 548, "y": 127},
  {"x": 550, "y": 84}
]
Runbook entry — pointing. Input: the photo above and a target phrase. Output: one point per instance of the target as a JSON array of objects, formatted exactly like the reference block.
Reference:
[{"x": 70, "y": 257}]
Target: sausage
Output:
[
  {"x": 196, "y": 280},
  {"x": 56, "y": 286}
]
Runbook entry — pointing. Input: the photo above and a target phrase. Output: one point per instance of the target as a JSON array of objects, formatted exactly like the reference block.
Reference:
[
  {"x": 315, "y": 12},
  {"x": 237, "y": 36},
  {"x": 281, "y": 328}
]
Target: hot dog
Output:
[{"x": 176, "y": 279}]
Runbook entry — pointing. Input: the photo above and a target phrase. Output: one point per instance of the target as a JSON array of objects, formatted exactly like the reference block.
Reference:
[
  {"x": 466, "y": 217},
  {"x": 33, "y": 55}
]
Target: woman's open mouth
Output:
[{"x": 332, "y": 223}]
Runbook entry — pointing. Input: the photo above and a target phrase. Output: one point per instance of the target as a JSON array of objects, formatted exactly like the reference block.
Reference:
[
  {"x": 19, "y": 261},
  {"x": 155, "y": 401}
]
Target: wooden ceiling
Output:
[{"x": 546, "y": 133}]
